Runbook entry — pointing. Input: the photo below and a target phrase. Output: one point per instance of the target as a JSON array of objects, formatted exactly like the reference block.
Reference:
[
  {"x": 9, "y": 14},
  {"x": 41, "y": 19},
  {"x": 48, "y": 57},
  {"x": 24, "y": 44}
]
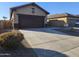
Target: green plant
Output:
[{"x": 11, "y": 40}]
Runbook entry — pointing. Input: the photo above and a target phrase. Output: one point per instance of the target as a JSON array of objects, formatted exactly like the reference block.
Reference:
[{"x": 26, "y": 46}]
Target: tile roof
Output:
[{"x": 61, "y": 15}]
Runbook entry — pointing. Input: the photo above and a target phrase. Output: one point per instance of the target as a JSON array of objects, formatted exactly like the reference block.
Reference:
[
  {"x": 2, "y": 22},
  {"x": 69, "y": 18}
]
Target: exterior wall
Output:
[
  {"x": 58, "y": 21},
  {"x": 28, "y": 10},
  {"x": 13, "y": 15},
  {"x": 14, "y": 19}
]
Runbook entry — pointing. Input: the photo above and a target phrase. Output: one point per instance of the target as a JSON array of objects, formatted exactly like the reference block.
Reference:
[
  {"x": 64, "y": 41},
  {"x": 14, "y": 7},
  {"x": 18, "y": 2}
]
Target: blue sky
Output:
[{"x": 51, "y": 7}]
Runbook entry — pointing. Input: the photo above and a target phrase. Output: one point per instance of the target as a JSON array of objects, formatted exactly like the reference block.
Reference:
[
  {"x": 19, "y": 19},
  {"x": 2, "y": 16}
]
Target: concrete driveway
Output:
[{"x": 48, "y": 42}]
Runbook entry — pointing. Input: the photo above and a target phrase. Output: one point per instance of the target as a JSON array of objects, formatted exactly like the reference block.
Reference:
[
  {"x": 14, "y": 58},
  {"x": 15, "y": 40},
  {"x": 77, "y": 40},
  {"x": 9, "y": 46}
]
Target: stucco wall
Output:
[
  {"x": 14, "y": 17},
  {"x": 58, "y": 21},
  {"x": 28, "y": 10},
  {"x": 61, "y": 19}
]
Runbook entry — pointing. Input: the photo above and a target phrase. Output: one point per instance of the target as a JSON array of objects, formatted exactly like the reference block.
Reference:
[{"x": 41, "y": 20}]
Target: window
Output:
[{"x": 33, "y": 10}]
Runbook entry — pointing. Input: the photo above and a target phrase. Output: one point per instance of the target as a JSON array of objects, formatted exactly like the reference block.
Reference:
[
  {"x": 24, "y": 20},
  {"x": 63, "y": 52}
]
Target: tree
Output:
[{"x": 4, "y": 17}]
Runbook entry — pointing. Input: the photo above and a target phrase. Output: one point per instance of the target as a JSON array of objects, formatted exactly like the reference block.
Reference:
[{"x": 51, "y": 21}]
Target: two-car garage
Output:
[{"x": 30, "y": 21}]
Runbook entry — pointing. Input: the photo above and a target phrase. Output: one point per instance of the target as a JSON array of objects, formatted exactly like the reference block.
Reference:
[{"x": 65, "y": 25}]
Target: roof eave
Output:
[{"x": 14, "y": 8}]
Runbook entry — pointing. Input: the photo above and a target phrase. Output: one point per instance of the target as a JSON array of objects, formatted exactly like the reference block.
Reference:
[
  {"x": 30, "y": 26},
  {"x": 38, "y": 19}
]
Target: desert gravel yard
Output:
[{"x": 47, "y": 42}]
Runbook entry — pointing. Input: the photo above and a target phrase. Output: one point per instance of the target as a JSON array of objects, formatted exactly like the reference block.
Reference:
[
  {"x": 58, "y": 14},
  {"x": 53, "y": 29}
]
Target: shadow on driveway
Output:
[
  {"x": 28, "y": 52},
  {"x": 22, "y": 51}
]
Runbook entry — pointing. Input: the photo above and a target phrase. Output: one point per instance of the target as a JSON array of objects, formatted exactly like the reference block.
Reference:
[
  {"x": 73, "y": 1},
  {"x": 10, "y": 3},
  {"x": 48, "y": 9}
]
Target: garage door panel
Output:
[{"x": 27, "y": 21}]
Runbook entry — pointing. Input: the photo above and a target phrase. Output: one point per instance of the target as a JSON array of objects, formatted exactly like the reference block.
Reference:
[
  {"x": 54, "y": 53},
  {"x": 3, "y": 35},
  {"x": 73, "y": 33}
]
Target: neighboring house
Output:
[
  {"x": 63, "y": 20},
  {"x": 28, "y": 16}
]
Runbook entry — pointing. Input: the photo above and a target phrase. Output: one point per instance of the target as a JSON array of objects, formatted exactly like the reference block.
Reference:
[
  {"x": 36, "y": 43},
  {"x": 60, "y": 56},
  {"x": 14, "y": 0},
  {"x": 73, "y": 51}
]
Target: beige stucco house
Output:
[
  {"x": 62, "y": 20},
  {"x": 28, "y": 16}
]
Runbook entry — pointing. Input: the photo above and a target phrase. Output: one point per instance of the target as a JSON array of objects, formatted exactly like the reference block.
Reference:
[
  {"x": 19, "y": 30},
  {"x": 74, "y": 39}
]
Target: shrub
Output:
[{"x": 10, "y": 40}]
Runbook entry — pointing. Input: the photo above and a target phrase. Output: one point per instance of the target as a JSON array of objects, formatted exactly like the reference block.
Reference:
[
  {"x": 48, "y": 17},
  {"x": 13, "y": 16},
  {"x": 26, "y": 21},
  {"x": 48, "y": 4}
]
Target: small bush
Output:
[{"x": 10, "y": 40}]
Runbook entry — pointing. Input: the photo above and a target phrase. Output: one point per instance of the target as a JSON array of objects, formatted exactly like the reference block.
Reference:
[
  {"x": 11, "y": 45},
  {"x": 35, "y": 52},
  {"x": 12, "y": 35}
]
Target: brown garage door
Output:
[{"x": 31, "y": 21}]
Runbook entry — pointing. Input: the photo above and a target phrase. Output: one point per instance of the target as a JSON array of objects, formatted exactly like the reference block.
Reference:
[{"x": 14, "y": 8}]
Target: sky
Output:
[{"x": 51, "y": 7}]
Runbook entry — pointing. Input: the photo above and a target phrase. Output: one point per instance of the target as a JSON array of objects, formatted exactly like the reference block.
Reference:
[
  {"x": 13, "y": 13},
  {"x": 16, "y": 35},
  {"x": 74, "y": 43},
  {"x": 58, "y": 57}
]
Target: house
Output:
[
  {"x": 28, "y": 16},
  {"x": 65, "y": 19}
]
